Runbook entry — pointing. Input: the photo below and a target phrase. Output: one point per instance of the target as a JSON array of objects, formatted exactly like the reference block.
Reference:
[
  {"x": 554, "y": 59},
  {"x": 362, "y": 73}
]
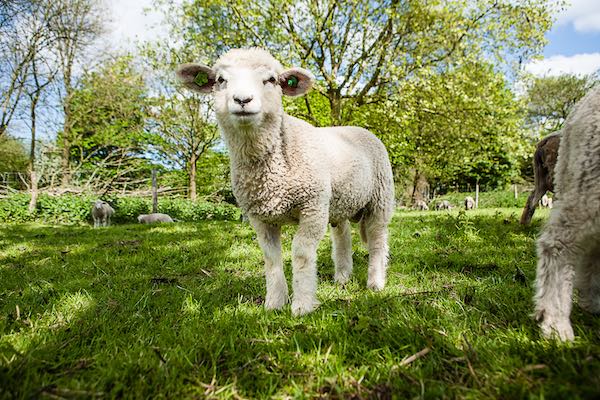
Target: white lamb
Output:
[
  {"x": 101, "y": 213},
  {"x": 420, "y": 205},
  {"x": 443, "y": 205},
  {"x": 154, "y": 218},
  {"x": 286, "y": 171},
  {"x": 569, "y": 247},
  {"x": 469, "y": 203}
]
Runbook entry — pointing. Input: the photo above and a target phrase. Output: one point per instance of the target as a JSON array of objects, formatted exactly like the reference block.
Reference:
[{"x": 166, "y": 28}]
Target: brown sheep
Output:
[{"x": 544, "y": 160}]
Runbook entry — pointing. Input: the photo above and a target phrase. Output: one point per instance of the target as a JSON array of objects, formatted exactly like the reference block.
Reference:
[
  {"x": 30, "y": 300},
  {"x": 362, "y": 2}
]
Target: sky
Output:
[{"x": 573, "y": 42}]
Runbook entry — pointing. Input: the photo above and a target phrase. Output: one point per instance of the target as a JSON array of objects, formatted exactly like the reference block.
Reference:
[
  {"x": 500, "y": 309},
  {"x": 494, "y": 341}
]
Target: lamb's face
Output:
[
  {"x": 245, "y": 95},
  {"x": 98, "y": 204},
  {"x": 247, "y": 85}
]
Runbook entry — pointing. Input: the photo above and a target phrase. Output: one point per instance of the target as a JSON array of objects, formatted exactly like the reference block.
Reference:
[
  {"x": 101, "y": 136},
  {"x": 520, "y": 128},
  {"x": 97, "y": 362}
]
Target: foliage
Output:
[
  {"x": 108, "y": 120},
  {"x": 76, "y": 209},
  {"x": 176, "y": 311},
  {"x": 13, "y": 155},
  {"x": 492, "y": 199},
  {"x": 551, "y": 98}
]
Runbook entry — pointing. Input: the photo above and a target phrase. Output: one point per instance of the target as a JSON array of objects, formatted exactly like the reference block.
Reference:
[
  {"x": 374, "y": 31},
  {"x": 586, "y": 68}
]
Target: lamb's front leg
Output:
[
  {"x": 311, "y": 229},
  {"x": 270, "y": 243},
  {"x": 554, "y": 281}
]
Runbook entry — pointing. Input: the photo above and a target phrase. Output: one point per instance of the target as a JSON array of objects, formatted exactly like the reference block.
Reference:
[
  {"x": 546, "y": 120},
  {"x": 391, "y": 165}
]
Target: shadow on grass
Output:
[{"x": 176, "y": 311}]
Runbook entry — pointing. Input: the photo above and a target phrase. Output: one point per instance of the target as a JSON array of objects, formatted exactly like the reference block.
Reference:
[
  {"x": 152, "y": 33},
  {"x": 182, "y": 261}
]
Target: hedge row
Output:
[{"x": 74, "y": 209}]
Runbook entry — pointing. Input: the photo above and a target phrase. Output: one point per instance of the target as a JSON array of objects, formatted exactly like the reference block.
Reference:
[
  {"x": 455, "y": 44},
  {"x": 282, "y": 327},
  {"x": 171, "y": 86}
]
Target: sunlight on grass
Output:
[{"x": 63, "y": 313}]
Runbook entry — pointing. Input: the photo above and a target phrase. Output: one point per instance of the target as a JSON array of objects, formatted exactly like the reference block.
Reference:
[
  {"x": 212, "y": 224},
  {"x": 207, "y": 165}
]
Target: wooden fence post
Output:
[{"x": 154, "y": 193}]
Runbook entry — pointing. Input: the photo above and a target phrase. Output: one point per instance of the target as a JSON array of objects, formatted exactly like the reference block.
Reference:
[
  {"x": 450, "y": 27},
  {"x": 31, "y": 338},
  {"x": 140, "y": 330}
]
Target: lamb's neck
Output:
[{"x": 256, "y": 147}]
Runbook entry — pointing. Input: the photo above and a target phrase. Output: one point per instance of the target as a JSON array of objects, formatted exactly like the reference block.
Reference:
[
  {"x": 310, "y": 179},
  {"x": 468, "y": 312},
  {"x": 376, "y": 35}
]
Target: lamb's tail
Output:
[{"x": 363, "y": 230}]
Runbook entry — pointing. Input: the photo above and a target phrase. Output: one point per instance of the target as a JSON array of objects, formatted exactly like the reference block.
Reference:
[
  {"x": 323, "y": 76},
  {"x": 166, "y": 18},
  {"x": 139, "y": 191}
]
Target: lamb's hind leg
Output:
[
  {"x": 311, "y": 229},
  {"x": 377, "y": 241},
  {"x": 270, "y": 244},
  {"x": 554, "y": 279},
  {"x": 341, "y": 239},
  {"x": 587, "y": 280}
]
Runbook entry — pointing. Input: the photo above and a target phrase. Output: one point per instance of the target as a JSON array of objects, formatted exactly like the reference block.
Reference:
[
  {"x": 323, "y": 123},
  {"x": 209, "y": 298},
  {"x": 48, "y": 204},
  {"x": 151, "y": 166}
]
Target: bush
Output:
[
  {"x": 76, "y": 209},
  {"x": 493, "y": 199}
]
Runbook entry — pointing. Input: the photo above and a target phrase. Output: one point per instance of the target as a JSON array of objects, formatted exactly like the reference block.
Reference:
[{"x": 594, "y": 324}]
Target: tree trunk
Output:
[
  {"x": 192, "y": 177},
  {"x": 66, "y": 145},
  {"x": 154, "y": 192},
  {"x": 32, "y": 172},
  {"x": 335, "y": 104}
]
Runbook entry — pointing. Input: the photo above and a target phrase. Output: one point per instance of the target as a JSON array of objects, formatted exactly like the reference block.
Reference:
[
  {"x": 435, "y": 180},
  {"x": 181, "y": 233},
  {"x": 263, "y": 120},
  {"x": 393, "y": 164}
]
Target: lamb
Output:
[
  {"x": 101, "y": 213},
  {"x": 569, "y": 247},
  {"x": 546, "y": 201},
  {"x": 154, "y": 218},
  {"x": 443, "y": 205},
  {"x": 286, "y": 171},
  {"x": 420, "y": 205},
  {"x": 544, "y": 161},
  {"x": 469, "y": 203}
]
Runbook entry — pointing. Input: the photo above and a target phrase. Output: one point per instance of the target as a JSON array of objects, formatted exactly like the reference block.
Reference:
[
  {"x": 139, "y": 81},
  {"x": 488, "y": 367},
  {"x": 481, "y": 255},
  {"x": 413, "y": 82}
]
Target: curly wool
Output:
[{"x": 569, "y": 247}]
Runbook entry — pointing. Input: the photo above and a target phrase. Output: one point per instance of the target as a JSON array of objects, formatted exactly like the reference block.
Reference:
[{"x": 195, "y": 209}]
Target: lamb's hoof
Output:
[
  {"x": 276, "y": 302},
  {"x": 561, "y": 330},
  {"x": 341, "y": 278},
  {"x": 376, "y": 284},
  {"x": 304, "y": 307}
]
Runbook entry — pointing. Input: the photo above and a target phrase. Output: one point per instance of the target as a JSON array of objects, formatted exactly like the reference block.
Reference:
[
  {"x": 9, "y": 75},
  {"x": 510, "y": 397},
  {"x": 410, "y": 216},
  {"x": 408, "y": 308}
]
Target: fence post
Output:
[
  {"x": 154, "y": 193},
  {"x": 516, "y": 192},
  {"x": 477, "y": 193}
]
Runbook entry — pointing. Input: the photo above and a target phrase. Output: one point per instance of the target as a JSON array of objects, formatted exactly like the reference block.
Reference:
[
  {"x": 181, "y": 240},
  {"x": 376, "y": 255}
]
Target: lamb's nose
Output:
[{"x": 243, "y": 101}]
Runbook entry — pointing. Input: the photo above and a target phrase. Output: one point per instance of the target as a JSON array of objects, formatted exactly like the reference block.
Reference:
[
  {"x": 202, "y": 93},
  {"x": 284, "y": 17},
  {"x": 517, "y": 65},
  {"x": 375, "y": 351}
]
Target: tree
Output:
[
  {"x": 108, "y": 136},
  {"x": 550, "y": 100},
  {"x": 361, "y": 49},
  {"x": 13, "y": 155},
  {"x": 181, "y": 120},
  {"x": 79, "y": 23}
]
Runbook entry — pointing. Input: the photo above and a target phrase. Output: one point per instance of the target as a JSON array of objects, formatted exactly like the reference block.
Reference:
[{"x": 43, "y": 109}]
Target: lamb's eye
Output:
[
  {"x": 220, "y": 79},
  {"x": 272, "y": 79}
]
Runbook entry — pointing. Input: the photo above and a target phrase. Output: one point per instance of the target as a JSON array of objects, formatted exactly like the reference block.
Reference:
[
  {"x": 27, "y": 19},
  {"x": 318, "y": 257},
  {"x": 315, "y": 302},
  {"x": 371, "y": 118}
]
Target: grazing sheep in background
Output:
[
  {"x": 420, "y": 205},
  {"x": 286, "y": 171},
  {"x": 469, "y": 203},
  {"x": 443, "y": 205},
  {"x": 546, "y": 201},
  {"x": 569, "y": 247},
  {"x": 153, "y": 218},
  {"x": 544, "y": 160},
  {"x": 101, "y": 213}
]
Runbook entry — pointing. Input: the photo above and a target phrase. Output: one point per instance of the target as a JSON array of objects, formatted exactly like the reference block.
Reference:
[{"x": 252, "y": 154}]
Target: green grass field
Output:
[{"x": 175, "y": 311}]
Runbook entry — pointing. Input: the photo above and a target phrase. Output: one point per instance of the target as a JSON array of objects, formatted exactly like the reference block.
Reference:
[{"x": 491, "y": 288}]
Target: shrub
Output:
[{"x": 76, "y": 209}]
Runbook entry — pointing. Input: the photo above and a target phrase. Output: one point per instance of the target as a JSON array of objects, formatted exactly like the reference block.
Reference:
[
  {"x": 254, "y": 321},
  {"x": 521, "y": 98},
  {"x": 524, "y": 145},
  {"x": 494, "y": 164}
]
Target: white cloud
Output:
[
  {"x": 134, "y": 21},
  {"x": 578, "y": 64},
  {"x": 583, "y": 14}
]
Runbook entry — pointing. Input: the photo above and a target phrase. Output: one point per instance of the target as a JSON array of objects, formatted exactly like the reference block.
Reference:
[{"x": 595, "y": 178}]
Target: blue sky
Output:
[{"x": 574, "y": 41}]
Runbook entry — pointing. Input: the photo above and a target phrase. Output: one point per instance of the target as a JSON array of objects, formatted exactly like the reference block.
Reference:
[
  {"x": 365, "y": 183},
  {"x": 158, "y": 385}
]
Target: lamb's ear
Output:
[
  {"x": 296, "y": 81},
  {"x": 196, "y": 77}
]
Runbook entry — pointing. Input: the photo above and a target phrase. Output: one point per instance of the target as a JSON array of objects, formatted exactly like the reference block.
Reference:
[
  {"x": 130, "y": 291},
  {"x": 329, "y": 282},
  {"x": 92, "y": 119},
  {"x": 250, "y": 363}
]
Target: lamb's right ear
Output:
[{"x": 196, "y": 77}]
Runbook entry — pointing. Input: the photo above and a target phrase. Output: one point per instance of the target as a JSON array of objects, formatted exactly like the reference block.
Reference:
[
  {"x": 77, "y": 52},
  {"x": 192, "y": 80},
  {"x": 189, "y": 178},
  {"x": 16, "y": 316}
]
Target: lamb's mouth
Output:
[{"x": 243, "y": 113}]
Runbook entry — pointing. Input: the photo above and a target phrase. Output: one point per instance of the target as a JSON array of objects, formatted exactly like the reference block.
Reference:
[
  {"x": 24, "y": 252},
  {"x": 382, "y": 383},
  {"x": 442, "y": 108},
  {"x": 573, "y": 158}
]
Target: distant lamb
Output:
[
  {"x": 154, "y": 218},
  {"x": 569, "y": 246},
  {"x": 544, "y": 160},
  {"x": 469, "y": 203},
  {"x": 546, "y": 201},
  {"x": 286, "y": 171},
  {"x": 101, "y": 213},
  {"x": 443, "y": 205},
  {"x": 420, "y": 205}
]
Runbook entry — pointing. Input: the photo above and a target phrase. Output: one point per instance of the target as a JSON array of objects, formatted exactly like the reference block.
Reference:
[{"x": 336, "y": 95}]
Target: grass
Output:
[{"x": 175, "y": 311}]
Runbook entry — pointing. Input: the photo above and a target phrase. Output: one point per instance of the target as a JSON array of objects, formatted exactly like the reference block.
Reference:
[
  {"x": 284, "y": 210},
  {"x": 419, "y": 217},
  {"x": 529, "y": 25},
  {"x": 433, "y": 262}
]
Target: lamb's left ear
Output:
[
  {"x": 296, "y": 81},
  {"x": 196, "y": 77}
]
